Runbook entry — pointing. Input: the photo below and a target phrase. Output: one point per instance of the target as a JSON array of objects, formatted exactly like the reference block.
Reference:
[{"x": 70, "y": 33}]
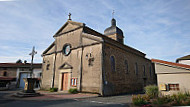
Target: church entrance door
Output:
[{"x": 64, "y": 81}]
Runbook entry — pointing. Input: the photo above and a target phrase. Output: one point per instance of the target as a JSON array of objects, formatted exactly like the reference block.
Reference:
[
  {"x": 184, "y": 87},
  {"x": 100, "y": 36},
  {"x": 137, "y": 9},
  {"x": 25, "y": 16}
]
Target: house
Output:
[
  {"x": 7, "y": 83},
  {"x": 172, "y": 77},
  {"x": 184, "y": 60},
  {"x": 89, "y": 61},
  {"x": 19, "y": 71}
]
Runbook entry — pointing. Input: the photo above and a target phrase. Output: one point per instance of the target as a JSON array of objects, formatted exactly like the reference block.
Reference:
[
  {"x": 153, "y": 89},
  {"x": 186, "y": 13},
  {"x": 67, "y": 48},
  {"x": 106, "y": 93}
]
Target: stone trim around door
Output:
[{"x": 61, "y": 81}]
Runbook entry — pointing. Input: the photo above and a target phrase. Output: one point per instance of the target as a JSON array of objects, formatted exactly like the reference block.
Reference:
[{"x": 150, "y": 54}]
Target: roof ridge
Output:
[{"x": 171, "y": 63}]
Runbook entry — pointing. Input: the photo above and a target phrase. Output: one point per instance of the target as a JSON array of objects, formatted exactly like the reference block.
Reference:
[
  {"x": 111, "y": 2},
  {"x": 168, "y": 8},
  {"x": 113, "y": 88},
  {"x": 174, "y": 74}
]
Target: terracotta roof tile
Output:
[
  {"x": 171, "y": 63},
  {"x": 19, "y": 65},
  {"x": 7, "y": 78}
]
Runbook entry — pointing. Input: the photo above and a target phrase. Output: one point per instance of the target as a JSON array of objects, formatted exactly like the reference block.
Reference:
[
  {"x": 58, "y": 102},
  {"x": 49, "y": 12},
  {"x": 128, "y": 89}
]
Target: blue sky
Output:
[{"x": 159, "y": 28}]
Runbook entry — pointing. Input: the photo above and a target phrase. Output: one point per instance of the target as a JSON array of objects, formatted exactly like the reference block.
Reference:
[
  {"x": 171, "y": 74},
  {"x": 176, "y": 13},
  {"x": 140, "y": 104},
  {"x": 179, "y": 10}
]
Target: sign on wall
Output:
[{"x": 162, "y": 87}]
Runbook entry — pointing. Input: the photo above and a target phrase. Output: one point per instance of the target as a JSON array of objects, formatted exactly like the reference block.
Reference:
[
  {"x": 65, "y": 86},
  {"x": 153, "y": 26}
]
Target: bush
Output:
[
  {"x": 151, "y": 91},
  {"x": 139, "y": 100},
  {"x": 187, "y": 93},
  {"x": 162, "y": 100},
  {"x": 73, "y": 90},
  {"x": 53, "y": 89},
  {"x": 179, "y": 99}
]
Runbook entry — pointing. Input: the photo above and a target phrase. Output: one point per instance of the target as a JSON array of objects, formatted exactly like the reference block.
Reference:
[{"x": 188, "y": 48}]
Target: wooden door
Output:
[{"x": 64, "y": 81}]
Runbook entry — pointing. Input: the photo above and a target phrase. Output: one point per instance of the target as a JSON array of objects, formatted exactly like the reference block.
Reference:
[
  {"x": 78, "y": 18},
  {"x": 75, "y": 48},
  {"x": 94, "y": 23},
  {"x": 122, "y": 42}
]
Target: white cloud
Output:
[{"x": 158, "y": 28}]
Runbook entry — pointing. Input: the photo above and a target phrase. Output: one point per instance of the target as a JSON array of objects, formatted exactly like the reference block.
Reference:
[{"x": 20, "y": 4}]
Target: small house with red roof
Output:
[
  {"x": 13, "y": 74},
  {"x": 172, "y": 77},
  {"x": 184, "y": 60}
]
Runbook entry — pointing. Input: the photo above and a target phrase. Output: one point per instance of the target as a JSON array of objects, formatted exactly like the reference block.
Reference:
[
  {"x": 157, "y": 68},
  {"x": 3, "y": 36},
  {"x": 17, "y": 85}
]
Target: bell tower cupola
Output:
[{"x": 114, "y": 32}]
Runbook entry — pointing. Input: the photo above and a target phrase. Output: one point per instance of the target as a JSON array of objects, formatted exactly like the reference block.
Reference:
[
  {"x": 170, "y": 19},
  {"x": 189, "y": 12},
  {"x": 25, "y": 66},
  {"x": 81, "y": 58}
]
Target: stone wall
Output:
[
  {"x": 10, "y": 72},
  {"x": 85, "y": 56},
  {"x": 123, "y": 81},
  {"x": 47, "y": 71},
  {"x": 92, "y": 69}
]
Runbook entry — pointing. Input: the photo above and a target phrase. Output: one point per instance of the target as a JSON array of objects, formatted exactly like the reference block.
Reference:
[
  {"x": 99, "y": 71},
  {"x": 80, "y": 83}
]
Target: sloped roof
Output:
[
  {"x": 93, "y": 32},
  {"x": 17, "y": 65},
  {"x": 187, "y": 57},
  {"x": 53, "y": 44},
  {"x": 71, "y": 22},
  {"x": 171, "y": 63},
  {"x": 113, "y": 29},
  {"x": 7, "y": 78}
]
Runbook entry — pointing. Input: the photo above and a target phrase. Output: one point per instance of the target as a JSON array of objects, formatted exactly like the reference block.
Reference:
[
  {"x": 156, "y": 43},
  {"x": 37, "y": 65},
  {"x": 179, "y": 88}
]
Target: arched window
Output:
[
  {"x": 136, "y": 68},
  {"x": 126, "y": 67},
  {"x": 5, "y": 73},
  {"x": 47, "y": 66},
  {"x": 144, "y": 70},
  {"x": 112, "y": 61}
]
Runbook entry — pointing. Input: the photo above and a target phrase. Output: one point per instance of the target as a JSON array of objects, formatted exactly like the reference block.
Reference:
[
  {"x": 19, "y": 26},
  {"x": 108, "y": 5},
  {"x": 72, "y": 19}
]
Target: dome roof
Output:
[{"x": 113, "y": 29}]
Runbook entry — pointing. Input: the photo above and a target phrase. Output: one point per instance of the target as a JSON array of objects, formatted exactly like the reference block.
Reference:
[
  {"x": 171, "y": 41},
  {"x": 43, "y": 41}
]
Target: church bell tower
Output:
[{"x": 114, "y": 32}]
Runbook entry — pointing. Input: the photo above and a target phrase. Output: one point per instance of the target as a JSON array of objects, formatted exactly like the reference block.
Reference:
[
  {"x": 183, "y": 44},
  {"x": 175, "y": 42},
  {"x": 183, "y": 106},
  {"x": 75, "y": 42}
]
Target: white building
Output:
[
  {"x": 172, "y": 77},
  {"x": 184, "y": 60}
]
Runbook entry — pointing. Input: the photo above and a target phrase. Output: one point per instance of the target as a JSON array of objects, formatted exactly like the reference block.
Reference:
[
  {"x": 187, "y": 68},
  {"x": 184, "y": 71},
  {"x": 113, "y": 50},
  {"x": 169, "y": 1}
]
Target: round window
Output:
[{"x": 67, "y": 49}]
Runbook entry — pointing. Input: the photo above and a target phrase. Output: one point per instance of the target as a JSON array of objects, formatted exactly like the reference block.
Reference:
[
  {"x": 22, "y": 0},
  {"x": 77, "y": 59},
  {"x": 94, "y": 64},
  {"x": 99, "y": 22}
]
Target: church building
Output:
[{"x": 89, "y": 61}]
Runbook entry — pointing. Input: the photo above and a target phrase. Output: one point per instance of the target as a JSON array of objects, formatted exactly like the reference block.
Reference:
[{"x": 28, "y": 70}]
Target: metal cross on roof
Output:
[
  {"x": 69, "y": 16},
  {"x": 32, "y": 55},
  {"x": 113, "y": 14}
]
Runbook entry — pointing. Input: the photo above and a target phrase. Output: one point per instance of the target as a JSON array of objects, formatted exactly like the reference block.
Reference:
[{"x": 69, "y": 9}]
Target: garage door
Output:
[{"x": 22, "y": 75}]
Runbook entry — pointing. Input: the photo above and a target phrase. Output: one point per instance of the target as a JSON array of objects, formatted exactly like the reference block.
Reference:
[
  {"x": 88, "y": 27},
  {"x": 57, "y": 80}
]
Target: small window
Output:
[
  {"x": 74, "y": 82},
  {"x": 136, "y": 68},
  {"x": 174, "y": 87},
  {"x": 47, "y": 66},
  {"x": 5, "y": 73},
  {"x": 126, "y": 67},
  {"x": 144, "y": 69},
  {"x": 40, "y": 74},
  {"x": 112, "y": 60}
]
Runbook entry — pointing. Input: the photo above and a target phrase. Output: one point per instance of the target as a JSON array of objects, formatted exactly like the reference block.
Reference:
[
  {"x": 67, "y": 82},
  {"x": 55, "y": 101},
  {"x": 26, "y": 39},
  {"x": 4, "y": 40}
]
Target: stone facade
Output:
[
  {"x": 8, "y": 72},
  {"x": 86, "y": 64},
  {"x": 127, "y": 77}
]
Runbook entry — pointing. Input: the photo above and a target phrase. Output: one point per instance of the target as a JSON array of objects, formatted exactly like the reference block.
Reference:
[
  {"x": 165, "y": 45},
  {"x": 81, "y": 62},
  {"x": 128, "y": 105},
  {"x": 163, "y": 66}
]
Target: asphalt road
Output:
[
  {"x": 112, "y": 101},
  {"x": 57, "y": 103}
]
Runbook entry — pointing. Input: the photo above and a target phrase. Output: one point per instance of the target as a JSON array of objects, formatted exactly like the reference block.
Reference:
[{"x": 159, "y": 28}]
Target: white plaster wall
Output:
[
  {"x": 170, "y": 75},
  {"x": 37, "y": 72},
  {"x": 187, "y": 62}
]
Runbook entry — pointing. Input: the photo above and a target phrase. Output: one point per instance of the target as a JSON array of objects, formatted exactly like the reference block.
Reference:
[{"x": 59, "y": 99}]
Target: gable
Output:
[
  {"x": 65, "y": 66},
  {"x": 68, "y": 27}
]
